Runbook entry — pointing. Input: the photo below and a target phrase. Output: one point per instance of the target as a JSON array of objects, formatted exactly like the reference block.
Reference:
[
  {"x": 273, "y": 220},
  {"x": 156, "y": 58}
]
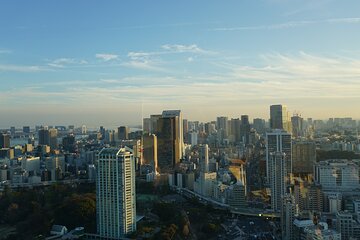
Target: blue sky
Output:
[{"x": 87, "y": 62}]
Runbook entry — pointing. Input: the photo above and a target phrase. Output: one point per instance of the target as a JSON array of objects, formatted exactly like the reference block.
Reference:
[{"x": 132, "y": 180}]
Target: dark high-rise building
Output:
[
  {"x": 53, "y": 134},
  {"x": 26, "y": 130},
  {"x": 150, "y": 153},
  {"x": 4, "y": 140},
  {"x": 44, "y": 137},
  {"x": 259, "y": 125},
  {"x": 235, "y": 129},
  {"x": 279, "y": 118},
  {"x": 169, "y": 149},
  {"x": 185, "y": 130},
  {"x": 153, "y": 122},
  {"x": 297, "y": 126},
  {"x": 102, "y": 132},
  {"x": 303, "y": 157},
  {"x": 245, "y": 129},
  {"x": 147, "y": 125},
  {"x": 123, "y": 133},
  {"x": 222, "y": 127},
  {"x": 12, "y": 131},
  {"x": 68, "y": 143}
]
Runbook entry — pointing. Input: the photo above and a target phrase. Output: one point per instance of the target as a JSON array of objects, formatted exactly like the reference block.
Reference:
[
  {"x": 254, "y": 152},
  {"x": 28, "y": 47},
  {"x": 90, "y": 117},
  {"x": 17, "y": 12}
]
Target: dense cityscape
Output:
[
  {"x": 180, "y": 120},
  {"x": 172, "y": 178}
]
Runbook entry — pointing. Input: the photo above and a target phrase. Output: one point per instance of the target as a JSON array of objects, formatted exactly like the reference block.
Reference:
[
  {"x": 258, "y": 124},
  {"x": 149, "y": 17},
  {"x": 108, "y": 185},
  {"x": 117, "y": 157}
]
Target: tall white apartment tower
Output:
[
  {"x": 278, "y": 141},
  {"x": 115, "y": 193},
  {"x": 278, "y": 179}
]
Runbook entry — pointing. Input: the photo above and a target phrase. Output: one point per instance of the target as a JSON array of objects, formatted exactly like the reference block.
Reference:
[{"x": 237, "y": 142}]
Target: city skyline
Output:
[{"x": 75, "y": 62}]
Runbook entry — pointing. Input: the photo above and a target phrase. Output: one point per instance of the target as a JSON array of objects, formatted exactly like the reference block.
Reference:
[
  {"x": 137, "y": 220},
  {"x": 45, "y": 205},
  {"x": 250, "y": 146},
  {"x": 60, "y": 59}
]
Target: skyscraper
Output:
[
  {"x": 153, "y": 122},
  {"x": 53, "y": 134},
  {"x": 185, "y": 130},
  {"x": 4, "y": 140},
  {"x": 147, "y": 125},
  {"x": 235, "y": 129},
  {"x": 278, "y": 179},
  {"x": 26, "y": 130},
  {"x": 169, "y": 149},
  {"x": 303, "y": 157},
  {"x": 245, "y": 129},
  {"x": 115, "y": 193},
  {"x": 180, "y": 132},
  {"x": 288, "y": 212},
  {"x": 150, "y": 154},
  {"x": 44, "y": 137},
  {"x": 222, "y": 127},
  {"x": 278, "y": 141},
  {"x": 280, "y": 118},
  {"x": 297, "y": 123},
  {"x": 204, "y": 158},
  {"x": 259, "y": 125},
  {"x": 123, "y": 133}
]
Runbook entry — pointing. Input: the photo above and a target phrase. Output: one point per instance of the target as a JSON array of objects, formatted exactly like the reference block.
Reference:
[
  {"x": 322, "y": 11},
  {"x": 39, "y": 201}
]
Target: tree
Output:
[{"x": 78, "y": 210}]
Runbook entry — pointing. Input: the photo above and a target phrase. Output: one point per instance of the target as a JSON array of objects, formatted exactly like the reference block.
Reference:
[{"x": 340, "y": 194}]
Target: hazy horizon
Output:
[{"x": 83, "y": 62}]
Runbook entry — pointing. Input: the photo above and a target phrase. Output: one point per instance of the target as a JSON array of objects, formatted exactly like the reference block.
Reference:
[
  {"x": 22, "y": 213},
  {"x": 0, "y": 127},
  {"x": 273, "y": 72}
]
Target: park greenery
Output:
[{"x": 33, "y": 211}]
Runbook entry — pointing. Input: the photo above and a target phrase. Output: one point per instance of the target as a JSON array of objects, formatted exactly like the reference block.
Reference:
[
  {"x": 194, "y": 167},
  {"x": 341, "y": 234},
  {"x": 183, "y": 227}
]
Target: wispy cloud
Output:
[
  {"x": 152, "y": 60},
  {"x": 62, "y": 62},
  {"x": 291, "y": 24},
  {"x": 106, "y": 56},
  {"x": 179, "y": 48},
  {"x": 20, "y": 68},
  {"x": 143, "y": 64}
]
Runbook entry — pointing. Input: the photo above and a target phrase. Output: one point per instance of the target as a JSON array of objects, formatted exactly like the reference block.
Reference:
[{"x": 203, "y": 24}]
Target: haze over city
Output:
[{"x": 75, "y": 62}]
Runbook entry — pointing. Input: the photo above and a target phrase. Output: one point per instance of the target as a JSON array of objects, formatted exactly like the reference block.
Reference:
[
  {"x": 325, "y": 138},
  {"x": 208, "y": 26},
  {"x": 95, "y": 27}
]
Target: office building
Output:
[
  {"x": 44, "y": 136},
  {"x": 150, "y": 153},
  {"x": 280, "y": 118},
  {"x": 245, "y": 129},
  {"x": 235, "y": 124},
  {"x": 193, "y": 138},
  {"x": 303, "y": 157},
  {"x": 115, "y": 193},
  {"x": 53, "y": 134},
  {"x": 259, "y": 125},
  {"x": 278, "y": 141},
  {"x": 4, "y": 140},
  {"x": 177, "y": 114},
  {"x": 68, "y": 143},
  {"x": 204, "y": 158},
  {"x": 337, "y": 175},
  {"x": 147, "y": 125},
  {"x": 297, "y": 123},
  {"x": 278, "y": 179},
  {"x": 153, "y": 122},
  {"x": 204, "y": 185},
  {"x": 314, "y": 198},
  {"x": 123, "y": 133},
  {"x": 347, "y": 225},
  {"x": 26, "y": 130},
  {"x": 222, "y": 127},
  {"x": 237, "y": 199},
  {"x": 12, "y": 131},
  {"x": 185, "y": 130},
  {"x": 169, "y": 149}
]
